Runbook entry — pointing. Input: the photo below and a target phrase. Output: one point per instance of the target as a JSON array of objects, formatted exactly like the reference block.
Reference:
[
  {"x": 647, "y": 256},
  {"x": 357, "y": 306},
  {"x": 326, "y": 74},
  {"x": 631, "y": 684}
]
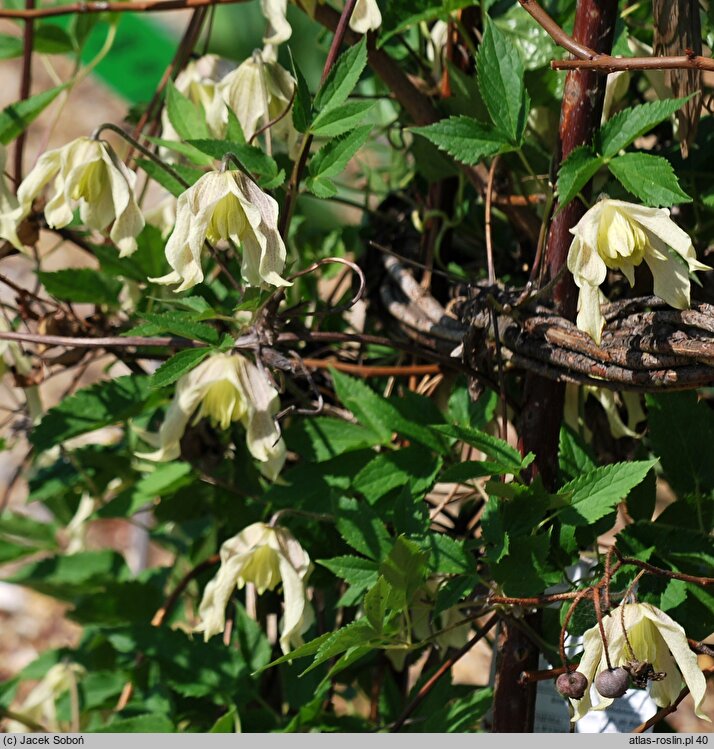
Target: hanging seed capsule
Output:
[
  {"x": 572, "y": 685},
  {"x": 613, "y": 682}
]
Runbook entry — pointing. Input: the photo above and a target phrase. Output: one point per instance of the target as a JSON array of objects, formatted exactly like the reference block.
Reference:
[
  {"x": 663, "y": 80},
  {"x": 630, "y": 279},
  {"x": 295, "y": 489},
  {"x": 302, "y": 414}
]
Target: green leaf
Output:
[
  {"x": 596, "y": 493},
  {"x": 178, "y": 365},
  {"x": 360, "y": 527},
  {"x": 150, "y": 723},
  {"x": 494, "y": 447},
  {"x": 399, "y": 15},
  {"x": 412, "y": 466},
  {"x": 405, "y": 569},
  {"x": 253, "y": 159},
  {"x": 342, "y": 79},
  {"x": 501, "y": 82},
  {"x": 649, "y": 178},
  {"x": 576, "y": 171},
  {"x": 190, "y": 152},
  {"x": 302, "y": 106},
  {"x": 473, "y": 469},
  {"x": 188, "y": 120},
  {"x": 574, "y": 456},
  {"x": 91, "y": 408},
  {"x": 322, "y": 187},
  {"x": 376, "y": 604},
  {"x": 324, "y": 437},
  {"x": 15, "y": 118},
  {"x": 467, "y": 140},
  {"x": 254, "y": 645},
  {"x": 356, "y": 633},
  {"x": 681, "y": 433},
  {"x": 227, "y": 723},
  {"x": 332, "y": 122},
  {"x": 629, "y": 124},
  {"x": 357, "y": 571},
  {"x": 371, "y": 409},
  {"x": 526, "y": 570},
  {"x": 51, "y": 39},
  {"x": 333, "y": 157},
  {"x": 168, "y": 180},
  {"x": 82, "y": 285},
  {"x": 67, "y": 576},
  {"x": 183, "y": 325}
]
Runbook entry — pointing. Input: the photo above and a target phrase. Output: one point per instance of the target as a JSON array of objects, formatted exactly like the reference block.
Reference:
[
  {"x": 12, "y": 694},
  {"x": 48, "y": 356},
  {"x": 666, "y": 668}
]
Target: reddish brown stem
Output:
[
  {"x": 443, "y": 669},
  {"x": 25, "y": 85}
]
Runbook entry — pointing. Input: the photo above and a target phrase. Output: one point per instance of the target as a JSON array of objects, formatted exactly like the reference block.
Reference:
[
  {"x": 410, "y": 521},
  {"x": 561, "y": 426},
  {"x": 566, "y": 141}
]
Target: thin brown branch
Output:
[
  {"x": 367, "y": 370},
  {"x": 443, "y": 669},
  {"x": 25, "y": 85},
  {"x": 589, "y": 59},
  {"x": 84, "y": 8}
]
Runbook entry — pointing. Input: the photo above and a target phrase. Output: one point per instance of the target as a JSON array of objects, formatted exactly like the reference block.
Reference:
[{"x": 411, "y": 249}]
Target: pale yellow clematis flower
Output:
[
  {"x": 656, "y": 639},
  {"x": 224, "y": 388},
  {"x": 365, "y": 17},
  {"x": 620, "y": 235},
  {"x": 198, "y": 82},
  {"x": 89, "y": 175},
  {"x": 40, "y": 703},
  {"x": 260, "y": 91},
  {"x": 265, "y": 556},
  {"x": 225, "y": 205}
]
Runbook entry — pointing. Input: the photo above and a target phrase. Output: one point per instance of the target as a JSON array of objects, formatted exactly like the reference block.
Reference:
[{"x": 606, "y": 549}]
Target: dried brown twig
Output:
[{"x": 589, "y": 59}]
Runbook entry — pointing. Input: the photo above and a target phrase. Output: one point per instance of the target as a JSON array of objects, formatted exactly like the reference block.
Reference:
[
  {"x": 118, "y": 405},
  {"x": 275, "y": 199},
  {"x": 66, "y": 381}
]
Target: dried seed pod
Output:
[
  {"x": 572, "y": 685},
  {"x": 613, "y": 682}
]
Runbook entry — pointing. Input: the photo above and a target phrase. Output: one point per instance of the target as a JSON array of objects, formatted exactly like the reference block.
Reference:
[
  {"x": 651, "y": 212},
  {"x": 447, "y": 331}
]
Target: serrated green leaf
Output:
[
  {"x": 649, "y": 178},
  {"x": 467, "y": 140},
  {"x": 338, "y": 120},
  {"x": 574, "y": 455},
  {"x": 15, "y": 118},
  {"x": 324, "y": 437},
  {"x": 170, "y": 181},
  {"x": 150, "y": 723},
  {"x": 356, "y": 633},
  {"x": 360, "y": 527},
  {"x": 182, "y": 324},
  {"x": 188, "y": 120},
  {"x": 356, "y": 571},
  {"x": 322, "y": 187},
  {"x": 494, "y": 447},
  {"x": 178, "y": 365},
  {"x": 501, "y": 82},
  {"x": 413, "y": 466},
  {"x": 594, "y": 494},
  {"x": 376, "y": 604},
  {"x": 576, "y": 171},
  {"x": 83, "y": 285},
  {"x": 342, "y": 79},
  {"x": 405, "y": 569},
  {"x": 629, "y": 124},
  {"x": 99, "y": 405},
  {"x": 333, "y": 157},
  {"x": 227, "y": 723},
  {"x": 473, "y": 469},
  {"x": 253, "y": 159},
  {"x": 400, "y": 15},
  {"x": 302, "y": 106}
]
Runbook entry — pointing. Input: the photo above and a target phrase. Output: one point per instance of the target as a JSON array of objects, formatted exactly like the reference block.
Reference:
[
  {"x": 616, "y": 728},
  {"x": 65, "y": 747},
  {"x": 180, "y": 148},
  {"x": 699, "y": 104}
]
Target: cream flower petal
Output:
[
  {"x": 676, "y": 639},
  {"x": 589, "y": 667},
  {"x": 590, "y": 317},
  {"x": 275, "y": 12},
  {"x": 365, "y": 17},
  {"x": 671, "y": 278},
  {"x": 244, "y": 92},
  {"x": 265, "y": 556},
  {"x": 262, "y": 431}
]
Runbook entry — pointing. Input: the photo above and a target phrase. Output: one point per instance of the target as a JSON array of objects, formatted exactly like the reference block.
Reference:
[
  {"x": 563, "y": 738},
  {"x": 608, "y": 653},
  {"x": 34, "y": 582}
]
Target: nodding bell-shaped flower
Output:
[
  {"x": 365, "y": 17},
  {"x": 619, "y": 235},
  {"x": 224, "y": 388},
  {"x": 649, "y": 637},
  {"x": 40, "y": 703},
  {"x": 89, "y": 175},
  {"x": 260, "y": 91},
  {"x": 198, "y": 82},
  {"x": 265, "y": 556},
  {"x": 225, "y": 205}
]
